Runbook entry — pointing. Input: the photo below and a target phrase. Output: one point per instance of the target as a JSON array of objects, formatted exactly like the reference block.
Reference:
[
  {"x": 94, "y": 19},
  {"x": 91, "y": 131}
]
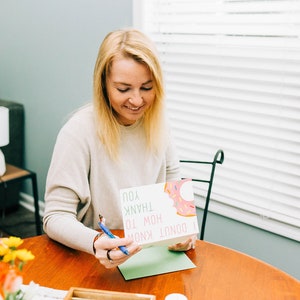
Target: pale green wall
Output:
[{"x": 47, "y": 54}]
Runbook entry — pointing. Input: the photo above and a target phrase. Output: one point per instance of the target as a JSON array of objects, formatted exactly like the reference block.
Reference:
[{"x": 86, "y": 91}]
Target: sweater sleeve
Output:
[{"x": 67, "y": 194}]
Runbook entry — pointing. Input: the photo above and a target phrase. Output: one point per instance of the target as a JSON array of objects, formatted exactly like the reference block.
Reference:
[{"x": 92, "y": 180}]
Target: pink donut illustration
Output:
[{"x": 184, "y": 207}]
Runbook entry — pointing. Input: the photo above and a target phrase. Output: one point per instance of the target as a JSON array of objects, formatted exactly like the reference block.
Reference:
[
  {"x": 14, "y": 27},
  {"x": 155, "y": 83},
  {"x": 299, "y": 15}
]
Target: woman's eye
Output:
[
  {"x": 143, "y": 88},
  {"x": 147, "y": 88},
  {"x": 123, "y": 90}
]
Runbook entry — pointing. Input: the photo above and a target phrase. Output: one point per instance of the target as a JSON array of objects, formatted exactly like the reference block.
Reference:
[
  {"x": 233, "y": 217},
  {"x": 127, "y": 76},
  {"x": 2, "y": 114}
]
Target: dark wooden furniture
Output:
[
  {"x": 221, "y": 273},
  {"x": 14, "y": 174}
]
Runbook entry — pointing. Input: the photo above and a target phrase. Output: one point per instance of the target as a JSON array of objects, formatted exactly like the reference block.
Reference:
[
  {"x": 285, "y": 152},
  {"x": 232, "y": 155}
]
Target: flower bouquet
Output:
[{"x": 12, "y": 261}]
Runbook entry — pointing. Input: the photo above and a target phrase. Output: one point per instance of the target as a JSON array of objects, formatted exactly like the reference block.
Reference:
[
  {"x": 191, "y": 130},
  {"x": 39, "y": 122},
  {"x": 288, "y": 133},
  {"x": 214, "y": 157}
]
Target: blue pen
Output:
[{"x": 109, "y": 234}]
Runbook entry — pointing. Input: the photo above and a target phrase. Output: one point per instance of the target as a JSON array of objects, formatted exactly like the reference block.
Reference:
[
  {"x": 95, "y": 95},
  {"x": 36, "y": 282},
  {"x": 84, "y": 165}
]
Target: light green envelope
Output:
[{"x": 153, "y": 261}]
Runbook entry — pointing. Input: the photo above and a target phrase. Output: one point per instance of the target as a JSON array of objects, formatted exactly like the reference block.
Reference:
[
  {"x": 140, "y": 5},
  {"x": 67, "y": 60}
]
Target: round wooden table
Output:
[{"x": 221, "y": 274}]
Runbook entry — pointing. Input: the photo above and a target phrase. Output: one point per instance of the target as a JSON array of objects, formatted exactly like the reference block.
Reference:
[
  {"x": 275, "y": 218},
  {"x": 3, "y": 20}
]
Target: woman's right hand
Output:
[{"x": 108, "y": 253}]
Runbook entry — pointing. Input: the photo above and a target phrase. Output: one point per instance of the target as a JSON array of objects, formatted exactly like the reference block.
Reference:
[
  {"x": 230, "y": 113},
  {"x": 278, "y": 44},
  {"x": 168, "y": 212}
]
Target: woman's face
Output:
[{"x": 130, "y": 89}]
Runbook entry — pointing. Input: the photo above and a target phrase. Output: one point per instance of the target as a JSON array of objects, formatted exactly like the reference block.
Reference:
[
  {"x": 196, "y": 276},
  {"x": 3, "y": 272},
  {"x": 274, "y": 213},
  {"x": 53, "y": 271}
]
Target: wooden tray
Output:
[{"x": 85, "y": 294}]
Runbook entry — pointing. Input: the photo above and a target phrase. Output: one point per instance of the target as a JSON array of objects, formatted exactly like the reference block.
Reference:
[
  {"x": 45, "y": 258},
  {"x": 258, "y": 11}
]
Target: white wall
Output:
[{"x": 47, "y": 53}]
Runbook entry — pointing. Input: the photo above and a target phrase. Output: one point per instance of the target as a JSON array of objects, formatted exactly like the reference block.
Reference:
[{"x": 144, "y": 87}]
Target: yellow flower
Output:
[
  {"x": 9, "y": 257},
  {"x": 3, "y": 250},
  {"x": 24, "y": 255},
  {"x": 12, "y": 261},
  {"x": 12, "y": 242}
]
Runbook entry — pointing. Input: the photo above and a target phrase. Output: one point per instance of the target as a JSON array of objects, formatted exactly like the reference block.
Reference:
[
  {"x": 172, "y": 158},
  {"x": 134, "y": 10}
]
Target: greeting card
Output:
[{"x": 159, "y": 214}]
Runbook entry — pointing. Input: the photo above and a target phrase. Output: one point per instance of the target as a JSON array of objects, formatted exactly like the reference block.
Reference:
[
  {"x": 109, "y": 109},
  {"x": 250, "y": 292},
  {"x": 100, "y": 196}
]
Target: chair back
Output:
[{"x": 193, "y": 170}]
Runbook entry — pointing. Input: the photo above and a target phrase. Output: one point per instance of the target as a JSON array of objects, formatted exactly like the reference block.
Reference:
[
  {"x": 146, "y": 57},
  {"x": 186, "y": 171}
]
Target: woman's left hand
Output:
[{"x": 184, "y": 246}]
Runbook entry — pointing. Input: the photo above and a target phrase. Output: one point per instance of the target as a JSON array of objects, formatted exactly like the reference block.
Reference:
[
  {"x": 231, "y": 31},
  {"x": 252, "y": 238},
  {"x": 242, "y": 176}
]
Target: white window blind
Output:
[{"x": 232, "y": 75}]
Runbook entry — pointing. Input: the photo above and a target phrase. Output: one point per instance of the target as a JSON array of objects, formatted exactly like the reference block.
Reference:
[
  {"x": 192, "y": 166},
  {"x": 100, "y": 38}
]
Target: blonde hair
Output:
[{"x": 134, "y": 44}]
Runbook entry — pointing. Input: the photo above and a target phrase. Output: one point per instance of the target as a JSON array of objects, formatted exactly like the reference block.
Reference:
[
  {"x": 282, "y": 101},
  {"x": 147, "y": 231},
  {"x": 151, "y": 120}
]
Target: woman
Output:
[{"x": 119, "y": 141}]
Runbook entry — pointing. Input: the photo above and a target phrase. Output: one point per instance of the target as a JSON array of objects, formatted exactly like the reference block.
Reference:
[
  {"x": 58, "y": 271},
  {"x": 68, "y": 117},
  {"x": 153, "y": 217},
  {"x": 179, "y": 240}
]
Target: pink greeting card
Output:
[{"x": 159, "y": 214}]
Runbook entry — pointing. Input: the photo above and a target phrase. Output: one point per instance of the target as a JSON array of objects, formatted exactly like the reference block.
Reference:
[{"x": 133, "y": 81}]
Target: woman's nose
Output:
[{"x": 136, "y": 100}]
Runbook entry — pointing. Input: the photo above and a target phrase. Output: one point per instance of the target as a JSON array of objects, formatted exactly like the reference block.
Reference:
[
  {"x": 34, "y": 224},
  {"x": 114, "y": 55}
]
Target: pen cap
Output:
[{"x": 176, "y": 296}]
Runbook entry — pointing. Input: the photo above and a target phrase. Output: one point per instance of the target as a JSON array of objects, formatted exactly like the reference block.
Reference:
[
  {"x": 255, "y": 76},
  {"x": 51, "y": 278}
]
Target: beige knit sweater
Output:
[{"x": 83, "y": 181}]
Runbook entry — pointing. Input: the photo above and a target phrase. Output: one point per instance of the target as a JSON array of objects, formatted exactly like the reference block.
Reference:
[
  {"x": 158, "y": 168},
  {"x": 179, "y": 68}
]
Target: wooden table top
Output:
[
  {"x": 13, "y": 172},
  {"x": 221, "y": 273}
]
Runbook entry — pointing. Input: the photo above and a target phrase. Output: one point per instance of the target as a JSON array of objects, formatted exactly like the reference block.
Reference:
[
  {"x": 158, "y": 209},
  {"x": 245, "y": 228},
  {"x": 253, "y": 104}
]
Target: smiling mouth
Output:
[{"x": 134, "y": 108}]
